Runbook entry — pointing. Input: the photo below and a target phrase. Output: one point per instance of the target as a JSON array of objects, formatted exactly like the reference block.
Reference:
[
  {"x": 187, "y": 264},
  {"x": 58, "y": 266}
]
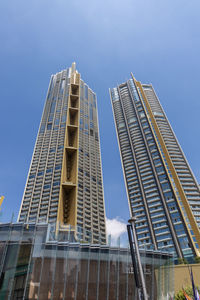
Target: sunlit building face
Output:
[{"x": 162, "y": 191}]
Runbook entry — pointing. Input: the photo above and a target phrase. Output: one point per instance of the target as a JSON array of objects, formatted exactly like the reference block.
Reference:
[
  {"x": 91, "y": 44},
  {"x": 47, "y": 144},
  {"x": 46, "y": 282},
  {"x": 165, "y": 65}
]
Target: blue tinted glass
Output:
[
  {"x": 40, "y": 173},
  {"x": 63, "y": 118},
  {"x": 57, "y": 167},
  {"x": 62, "y": 86},
  {"x": 168, "y": 195},
  {"x": 86, "y": 91},
  {"x": 47, "y": 186},
  {"x": 60, "y": 147},
  {"x": 159, "y": 169},
  {"x": 42, "y": 128},
  {"x": 91, "y": 114},
  {"x": 31, "y": 176},
  {"x": 165, "y": 186},
  {"x": 53, "y": 104}
]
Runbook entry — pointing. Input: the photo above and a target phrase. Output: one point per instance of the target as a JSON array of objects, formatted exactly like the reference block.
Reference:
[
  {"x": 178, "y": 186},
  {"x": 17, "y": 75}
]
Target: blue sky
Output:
[{"x": 158, "y": 41}]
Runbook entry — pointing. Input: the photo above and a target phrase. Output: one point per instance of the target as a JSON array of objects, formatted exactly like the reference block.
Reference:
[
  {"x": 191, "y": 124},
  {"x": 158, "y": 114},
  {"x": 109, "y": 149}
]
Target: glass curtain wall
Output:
[{"x": 38, "y": 264}]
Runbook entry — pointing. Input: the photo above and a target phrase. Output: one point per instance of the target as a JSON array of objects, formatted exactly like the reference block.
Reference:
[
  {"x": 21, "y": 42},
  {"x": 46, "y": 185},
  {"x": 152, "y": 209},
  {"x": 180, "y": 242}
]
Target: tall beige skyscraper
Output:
[
  {"x": 64, "y": 184},
  {"x": 162, "y": 191}
]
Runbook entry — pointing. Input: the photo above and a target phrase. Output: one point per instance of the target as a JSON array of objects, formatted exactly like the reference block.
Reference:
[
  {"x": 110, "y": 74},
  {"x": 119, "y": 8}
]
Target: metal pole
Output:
[
  {"x": 141, "y": 274},
  {"x": 135, "y": 269}
]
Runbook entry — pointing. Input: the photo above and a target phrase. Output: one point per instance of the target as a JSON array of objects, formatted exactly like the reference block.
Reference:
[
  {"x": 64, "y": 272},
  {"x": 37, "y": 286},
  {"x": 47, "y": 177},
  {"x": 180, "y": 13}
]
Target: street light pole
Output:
[{"x": 142, "y": 291}]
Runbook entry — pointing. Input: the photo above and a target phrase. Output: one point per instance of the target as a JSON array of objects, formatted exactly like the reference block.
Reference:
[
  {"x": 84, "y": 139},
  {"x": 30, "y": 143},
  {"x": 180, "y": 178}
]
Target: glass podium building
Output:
[
  {"x": 38, "y": 263},
  {"x": 162, "y": 191}
]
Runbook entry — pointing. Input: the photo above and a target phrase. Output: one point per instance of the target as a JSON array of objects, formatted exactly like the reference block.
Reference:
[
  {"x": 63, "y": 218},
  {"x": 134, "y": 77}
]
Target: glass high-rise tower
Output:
[
  {"x": 162, "y": 191},
  {"x": 64, "y": 184}
]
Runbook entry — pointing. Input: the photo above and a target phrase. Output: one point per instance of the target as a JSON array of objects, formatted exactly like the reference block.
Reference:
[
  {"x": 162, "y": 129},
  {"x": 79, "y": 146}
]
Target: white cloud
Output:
[{"x": 115, "y": 227}]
